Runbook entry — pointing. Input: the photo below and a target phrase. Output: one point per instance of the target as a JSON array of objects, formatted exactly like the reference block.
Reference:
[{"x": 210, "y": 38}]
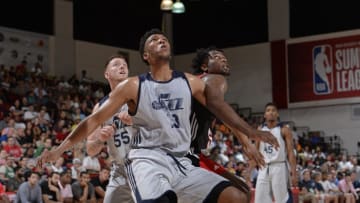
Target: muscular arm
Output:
[
  {"x": 125, "y": 92},
  {"x": 211, "y": 93},
  {"x": 290, "y": 153},
  {"x": 93, "y": 145}
]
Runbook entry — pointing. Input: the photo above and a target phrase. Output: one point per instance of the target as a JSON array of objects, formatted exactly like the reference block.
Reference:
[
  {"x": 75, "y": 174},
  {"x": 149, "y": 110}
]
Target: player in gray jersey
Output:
[
  {"x": 115, "y": 133},
  {"x": 273, "y": 180},
  {"x": 160, "y": 103}
]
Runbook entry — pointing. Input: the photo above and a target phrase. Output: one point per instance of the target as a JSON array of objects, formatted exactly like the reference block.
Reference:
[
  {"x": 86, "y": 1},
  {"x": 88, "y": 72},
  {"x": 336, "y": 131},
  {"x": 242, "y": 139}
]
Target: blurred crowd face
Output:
[{"x": 33, "y": 179}]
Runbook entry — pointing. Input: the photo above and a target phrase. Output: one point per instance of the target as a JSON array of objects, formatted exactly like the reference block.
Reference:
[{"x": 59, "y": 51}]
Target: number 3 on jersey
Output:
[{"x": 122, "y": 137}]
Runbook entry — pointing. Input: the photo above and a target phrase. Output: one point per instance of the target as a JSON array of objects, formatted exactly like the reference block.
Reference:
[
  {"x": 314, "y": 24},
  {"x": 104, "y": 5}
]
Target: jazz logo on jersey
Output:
[{"x": 322, "y": 70}]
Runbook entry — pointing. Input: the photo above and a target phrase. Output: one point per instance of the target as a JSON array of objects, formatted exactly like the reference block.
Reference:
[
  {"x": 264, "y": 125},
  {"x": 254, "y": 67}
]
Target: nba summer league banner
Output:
[{"x": 324, "y": 71}]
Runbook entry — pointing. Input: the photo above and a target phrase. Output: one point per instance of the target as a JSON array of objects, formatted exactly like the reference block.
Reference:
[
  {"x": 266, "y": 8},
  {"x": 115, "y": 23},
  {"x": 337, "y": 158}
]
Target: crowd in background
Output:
[{"x": 38, "y": 111}]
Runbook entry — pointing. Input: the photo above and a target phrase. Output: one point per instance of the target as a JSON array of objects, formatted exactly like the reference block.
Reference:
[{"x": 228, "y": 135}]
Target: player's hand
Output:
[
  {"x": 264, "y": 136},
  {"x": 48, "y": 156},
  {"x": 253, "y": 154},
  {"x": 125, "y": 118},
  {"x": 105, "y": 133},
  {"x": 294, "y": 180}
]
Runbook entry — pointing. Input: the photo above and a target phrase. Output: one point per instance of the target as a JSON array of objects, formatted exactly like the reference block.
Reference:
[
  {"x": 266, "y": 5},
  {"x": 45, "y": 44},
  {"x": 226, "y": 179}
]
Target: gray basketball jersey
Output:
[
  {"x": 162, "y": 117},
  {"x": 119, "y": 145},
  {"x": 268, "y": 151}
]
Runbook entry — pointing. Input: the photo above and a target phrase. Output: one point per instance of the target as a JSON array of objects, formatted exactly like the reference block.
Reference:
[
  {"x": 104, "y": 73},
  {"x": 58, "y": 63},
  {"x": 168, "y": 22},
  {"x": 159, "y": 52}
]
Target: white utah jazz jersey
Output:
[
  {"x": 162, "y": 116},
  {"x": 269, "y": 152},
  {"x": 119, "y": 146}
]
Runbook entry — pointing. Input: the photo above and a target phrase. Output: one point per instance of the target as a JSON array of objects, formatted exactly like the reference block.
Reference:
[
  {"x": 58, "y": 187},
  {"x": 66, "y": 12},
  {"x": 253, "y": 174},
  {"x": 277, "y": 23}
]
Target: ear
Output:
[
  {"x": 145, "y": 56},
  {"x": 204, "y": 67},
  {"x": 106, "y": 75}
]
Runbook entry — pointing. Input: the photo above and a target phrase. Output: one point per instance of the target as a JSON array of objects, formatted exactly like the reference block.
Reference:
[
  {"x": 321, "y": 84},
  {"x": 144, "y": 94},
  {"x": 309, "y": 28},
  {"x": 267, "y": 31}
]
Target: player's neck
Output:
[
  {"x": 271, "y": 124},
  {"x": 161, "y": 72}
]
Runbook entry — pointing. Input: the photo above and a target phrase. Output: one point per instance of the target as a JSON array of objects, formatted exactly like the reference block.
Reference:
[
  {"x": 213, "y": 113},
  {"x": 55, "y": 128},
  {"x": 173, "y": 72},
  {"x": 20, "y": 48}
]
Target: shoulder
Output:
[{"x": 285, "y": 130}]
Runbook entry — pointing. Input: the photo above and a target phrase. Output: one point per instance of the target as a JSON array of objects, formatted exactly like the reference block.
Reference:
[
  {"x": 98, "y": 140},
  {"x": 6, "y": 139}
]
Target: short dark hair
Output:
[
  {"x": 53, "y": 173},
  {"x": 145, "y": 37},
  {"x": 113, "y": 57},
  {"x": 83, "y": 172},
  {"x": 202, "y": 55},
  {"x": 270, "y": 104}
]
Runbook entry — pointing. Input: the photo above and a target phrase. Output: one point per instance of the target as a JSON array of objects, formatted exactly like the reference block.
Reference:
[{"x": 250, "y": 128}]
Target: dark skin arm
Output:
[
  {"x": 215, "y": 90},
  {"x": 214, "y": 101},
  {"x": 286, "y": 133}
]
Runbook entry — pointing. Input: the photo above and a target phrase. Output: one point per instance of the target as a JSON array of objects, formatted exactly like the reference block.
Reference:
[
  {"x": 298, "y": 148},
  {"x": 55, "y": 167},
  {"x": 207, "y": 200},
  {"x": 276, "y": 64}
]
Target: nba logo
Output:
[{"x": 323, "y": 70}]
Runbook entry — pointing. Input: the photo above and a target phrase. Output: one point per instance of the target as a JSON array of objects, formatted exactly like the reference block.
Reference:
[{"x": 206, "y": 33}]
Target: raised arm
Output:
[{"x": 125, "y": 92}]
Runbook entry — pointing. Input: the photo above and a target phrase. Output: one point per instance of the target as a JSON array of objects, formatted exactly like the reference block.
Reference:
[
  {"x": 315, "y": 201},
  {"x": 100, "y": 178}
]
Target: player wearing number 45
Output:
[
  {"x": 275, "y": 175},
  {"x": 115, "y": 132}
]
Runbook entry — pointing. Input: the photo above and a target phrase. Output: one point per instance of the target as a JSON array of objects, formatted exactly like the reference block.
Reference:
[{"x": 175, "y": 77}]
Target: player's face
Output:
[
  {"x": 117, "y": 69},
  {"x": 157, "y": 46},
  {"x": 271, "y": 113},
  {"x": 218, "y": 64}
]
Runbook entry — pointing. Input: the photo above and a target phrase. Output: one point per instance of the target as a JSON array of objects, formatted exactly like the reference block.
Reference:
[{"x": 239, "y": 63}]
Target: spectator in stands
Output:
[
  {"x": 47, "y": 145},
  {"x": 330, "y": 187},
  {"x": 65, "y": 187},
  {"x": 50, "y": 189},
  {"x": 58, "y": 166},
  {"x": 92, "y": 165},
  {"x": 76, "y": 168},
  {"x": 14, "y": 183},
  {"x": 307, "y": 188},
  {"x": 346, "y": 186},
  {"x": 100, "y": 184},
  {"x": 30, "y": 191},
  {"x": 30, "y": 113},
  {"x": 320, "y": 191},
  {"x": 83, "y": 190},
  {"x": 8, "y": 168}
]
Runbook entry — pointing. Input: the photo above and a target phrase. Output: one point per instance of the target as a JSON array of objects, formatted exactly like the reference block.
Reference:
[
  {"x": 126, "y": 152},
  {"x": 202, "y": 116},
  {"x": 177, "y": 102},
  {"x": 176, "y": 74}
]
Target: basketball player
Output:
[
  {"x": 116, "y": 134},
  {"x": 160, "y": 104},
  {"x": 206, "y": 63},
  {"x": 274, "y": 177}
]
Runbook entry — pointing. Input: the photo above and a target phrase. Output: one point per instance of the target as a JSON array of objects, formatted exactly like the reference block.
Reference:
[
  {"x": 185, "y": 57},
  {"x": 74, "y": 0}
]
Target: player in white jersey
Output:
[
  {"x": 160, "y": 102},
  {"x": 116, "y": 135},
  {"x": 273, "y": 180}
]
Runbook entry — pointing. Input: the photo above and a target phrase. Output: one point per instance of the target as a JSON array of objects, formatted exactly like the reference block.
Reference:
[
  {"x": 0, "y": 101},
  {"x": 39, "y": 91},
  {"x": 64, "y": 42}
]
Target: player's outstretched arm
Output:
[
  {"x": 211, "y": 93},
  {"x": 124, "y": 92}
]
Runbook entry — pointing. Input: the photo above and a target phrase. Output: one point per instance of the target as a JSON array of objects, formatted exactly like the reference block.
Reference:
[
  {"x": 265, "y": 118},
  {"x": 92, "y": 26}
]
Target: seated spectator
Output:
[
  {"x": 12, "y": 148},
  {"x": 83, "y": 190},
  {"x": 65, "y": 187},
  {"x": 76, "y": 169},
  {"x": 307, "y": 188},
  {"x": 92, "y": 165},
  {"x": 58, "y": 166},
  {"x": 50, "y": 189},
  {"x": 8, "y": 168},
  {"x": 346, "y": 186},
  {"x": 30, "y": 113},
  {"x": 14, "y": 183},
  {"x": 100, "y": 184},
  {"x": 320, "y": 191},
  {"x": 47, "y": 145},
  {"x": 30, "y": 191},
  {"x": 3, "y": 156},
  {"x": 329, "y": 185}
]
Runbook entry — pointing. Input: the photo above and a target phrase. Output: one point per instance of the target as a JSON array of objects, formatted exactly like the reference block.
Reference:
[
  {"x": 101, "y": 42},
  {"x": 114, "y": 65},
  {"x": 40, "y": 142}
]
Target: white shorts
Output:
[
  {"x": 118, "y": 189},
  {"x": 272, "y": 180},
  {"x": 152, "y": 173}
]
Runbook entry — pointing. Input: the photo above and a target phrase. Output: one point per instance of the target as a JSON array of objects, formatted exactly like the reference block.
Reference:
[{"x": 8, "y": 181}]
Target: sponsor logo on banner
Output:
[{"x": 323, "y": 70}]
